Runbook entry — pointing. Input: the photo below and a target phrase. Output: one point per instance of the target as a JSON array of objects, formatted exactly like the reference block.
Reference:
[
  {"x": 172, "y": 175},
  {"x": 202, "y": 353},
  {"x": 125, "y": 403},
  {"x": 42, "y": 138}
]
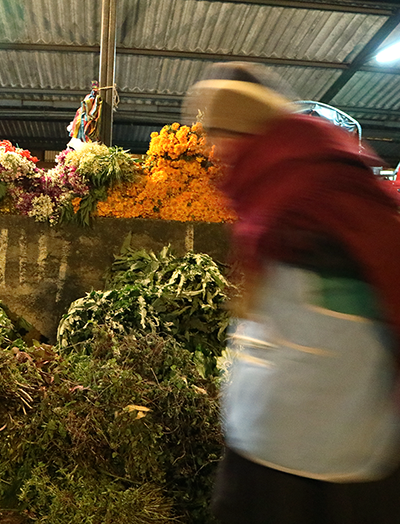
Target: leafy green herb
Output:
[
  {"x": 85, "y": 438},
  {"x": 180, "y": 296},
  {"x": 120, "y": 421}
]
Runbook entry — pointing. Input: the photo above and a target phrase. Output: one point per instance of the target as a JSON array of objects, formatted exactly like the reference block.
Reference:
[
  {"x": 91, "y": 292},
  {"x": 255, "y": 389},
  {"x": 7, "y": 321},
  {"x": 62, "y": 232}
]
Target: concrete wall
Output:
[{"x": 43, "y": 269}]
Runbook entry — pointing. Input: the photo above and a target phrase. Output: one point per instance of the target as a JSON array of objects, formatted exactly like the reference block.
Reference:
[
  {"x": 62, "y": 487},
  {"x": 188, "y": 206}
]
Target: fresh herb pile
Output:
[
  {"x": 119, "y": 422},
  {"x": 180, "y": 296}
]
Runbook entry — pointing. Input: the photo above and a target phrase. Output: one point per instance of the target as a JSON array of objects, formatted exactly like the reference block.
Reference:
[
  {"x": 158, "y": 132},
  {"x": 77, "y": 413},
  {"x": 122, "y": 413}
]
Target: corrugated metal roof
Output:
[
  {"x": 366, "y": 89},
  {"x": 163, "y": 47},
  {"x": 136, "y": 74},
  {"x": 132, "y": 133},
  {"x": 193, "y": 25},
  {"x": 16, "y": 128},
  {"x": 51, "y": 21},
  {"x": 144, "y": 74},
  {"x": 47, "y": 69},
  {"x": 243, "y": 29}
]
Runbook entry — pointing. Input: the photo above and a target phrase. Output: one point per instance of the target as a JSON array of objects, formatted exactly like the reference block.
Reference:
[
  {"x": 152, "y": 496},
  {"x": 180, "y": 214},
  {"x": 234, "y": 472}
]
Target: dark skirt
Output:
[{"x": 248, "y": 493}]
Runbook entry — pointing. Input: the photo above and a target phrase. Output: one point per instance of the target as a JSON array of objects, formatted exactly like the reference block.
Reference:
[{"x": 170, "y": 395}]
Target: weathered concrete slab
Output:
[{"x": 43, "y": 269}]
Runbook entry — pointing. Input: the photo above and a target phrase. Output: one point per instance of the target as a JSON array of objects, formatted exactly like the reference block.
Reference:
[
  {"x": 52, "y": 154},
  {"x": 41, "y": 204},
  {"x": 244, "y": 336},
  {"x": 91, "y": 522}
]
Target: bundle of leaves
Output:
[
  {"x": 6, "y": 327},
  {"x": 16, "y": 330},
  {"x": 129, "y": 434},
  {"x": 183, "y": 297},
  {"x": 100, "y": 168}
]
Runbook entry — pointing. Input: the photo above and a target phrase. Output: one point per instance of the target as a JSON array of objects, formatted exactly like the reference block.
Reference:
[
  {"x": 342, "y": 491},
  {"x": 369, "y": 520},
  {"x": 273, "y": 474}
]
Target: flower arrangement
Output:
[
  {"x": 20, "y": 178},
  {"x": 99, "y": 167},
  {"x": 32, "y": 191},
  {"x": 69, "y": 191},
  {"x": 179, "y": 182},
  {"x": 176, "y": 181}
]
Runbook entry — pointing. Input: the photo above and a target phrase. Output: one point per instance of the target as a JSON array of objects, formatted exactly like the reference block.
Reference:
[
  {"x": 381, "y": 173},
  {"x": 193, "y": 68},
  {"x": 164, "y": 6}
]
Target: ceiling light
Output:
[{"x": 389, "y": 54}]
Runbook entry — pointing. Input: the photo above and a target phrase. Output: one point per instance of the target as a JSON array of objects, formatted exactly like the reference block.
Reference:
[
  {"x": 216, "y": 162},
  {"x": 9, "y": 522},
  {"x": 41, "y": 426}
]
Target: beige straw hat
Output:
[{"x": 238, "y": 101}]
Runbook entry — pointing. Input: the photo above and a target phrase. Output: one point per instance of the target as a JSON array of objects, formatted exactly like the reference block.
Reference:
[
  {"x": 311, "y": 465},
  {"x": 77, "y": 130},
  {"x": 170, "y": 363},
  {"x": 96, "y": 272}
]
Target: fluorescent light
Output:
[{"x": 389, "y": 54}]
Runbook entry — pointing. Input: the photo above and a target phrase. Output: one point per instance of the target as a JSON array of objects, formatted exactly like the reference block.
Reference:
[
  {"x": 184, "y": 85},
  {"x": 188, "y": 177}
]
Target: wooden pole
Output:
[{"x": 107, "y": 67}]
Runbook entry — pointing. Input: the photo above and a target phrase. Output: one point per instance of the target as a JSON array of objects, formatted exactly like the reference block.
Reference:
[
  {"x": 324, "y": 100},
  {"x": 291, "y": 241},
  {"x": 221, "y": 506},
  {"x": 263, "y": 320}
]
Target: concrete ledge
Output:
[{"x": 43, "y": 269}]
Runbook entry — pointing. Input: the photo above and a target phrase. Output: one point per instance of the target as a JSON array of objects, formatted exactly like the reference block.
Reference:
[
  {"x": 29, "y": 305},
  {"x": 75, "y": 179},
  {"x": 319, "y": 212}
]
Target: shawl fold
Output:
[{"x": 305, "y": 174}]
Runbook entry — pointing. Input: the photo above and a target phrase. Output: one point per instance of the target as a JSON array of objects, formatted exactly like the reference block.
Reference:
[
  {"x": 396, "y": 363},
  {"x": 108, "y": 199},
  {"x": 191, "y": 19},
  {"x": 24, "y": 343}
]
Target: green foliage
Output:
[
  {"x": 113, "y": 167},
  {"x": 6, "y": 326},
  {"x": 119, "y": 423},
  {"x": 180, "y": 296},
  {"x": 3, "y": 190},
  {"x": 88, "y": 205},
  {"x": 133, "y": 414},
  {"x": 14, "y": 329},
  {"x": 81, "y": 499},
  {"x": 101, "y": 172},
  {"x": 93, "y": 169}
]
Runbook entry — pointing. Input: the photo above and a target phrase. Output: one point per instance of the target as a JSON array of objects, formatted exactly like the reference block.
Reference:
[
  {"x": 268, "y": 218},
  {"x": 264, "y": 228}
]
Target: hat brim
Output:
[{"x": 232, "y": 105}]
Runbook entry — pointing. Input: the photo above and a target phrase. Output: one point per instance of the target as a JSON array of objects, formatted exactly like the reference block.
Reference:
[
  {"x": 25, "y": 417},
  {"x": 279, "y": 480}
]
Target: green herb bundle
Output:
[
  {"x": 129, "y": 433},
  {"x": 179, "y": 296},
  {"x": 119, "y": 422}
]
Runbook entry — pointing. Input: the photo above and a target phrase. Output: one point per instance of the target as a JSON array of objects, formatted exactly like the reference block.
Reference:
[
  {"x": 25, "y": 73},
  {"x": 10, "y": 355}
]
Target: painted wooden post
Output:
[{"x": 107, "y": 67}]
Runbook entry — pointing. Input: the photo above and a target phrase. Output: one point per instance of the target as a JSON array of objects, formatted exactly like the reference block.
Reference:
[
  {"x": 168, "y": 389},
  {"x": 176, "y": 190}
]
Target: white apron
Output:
[{"x": 311, "y": 389}]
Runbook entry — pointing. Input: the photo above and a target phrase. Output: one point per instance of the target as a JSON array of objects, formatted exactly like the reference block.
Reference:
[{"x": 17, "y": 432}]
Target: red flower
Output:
[{"x": 7, "y": 145}]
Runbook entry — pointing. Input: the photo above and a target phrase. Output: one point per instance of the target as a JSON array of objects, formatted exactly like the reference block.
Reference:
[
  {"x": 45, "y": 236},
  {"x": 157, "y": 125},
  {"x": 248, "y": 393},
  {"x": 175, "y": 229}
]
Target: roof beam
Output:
[
  {"x": 363, "y": 56},
  {"x": 385, "y": 8},
  {"x": 39, "y": 141},
  {"x": 80, "y": 93},
  {"x": 58, "y": 48},
  {"x": 370, "y": 111},
  {"x": 382, "y": 135},
  {"x": 156, "y": 117},
  {"x": 131, "y": 112},
  {"x": 165, "y": 53}
]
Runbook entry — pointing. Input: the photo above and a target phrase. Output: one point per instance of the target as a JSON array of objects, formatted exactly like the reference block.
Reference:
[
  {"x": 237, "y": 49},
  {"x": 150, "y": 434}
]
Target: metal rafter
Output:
[
  {"x": 370, "y": 111},
  {"x": 156, "y": 117},
  {"x": 362, "y": 57},
  {"x": 81, "y": 93},
  {"x": 166, "y": 53},
  {"x": 190, "y": 55},
  {"x": 363, "y": 7},
  {"x": 169, "y": 104}
]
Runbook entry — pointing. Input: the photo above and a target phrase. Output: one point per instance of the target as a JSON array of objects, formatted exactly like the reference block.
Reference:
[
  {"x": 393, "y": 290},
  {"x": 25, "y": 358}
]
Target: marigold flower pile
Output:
[{"x": 179, "y": 181}]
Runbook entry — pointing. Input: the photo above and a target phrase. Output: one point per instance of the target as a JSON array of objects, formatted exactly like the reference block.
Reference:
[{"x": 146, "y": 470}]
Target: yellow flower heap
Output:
[{"x": 179, "y": 181}]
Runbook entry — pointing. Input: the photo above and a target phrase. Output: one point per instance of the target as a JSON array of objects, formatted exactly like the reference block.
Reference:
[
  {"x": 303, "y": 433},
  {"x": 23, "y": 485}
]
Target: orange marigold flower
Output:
[
  {"x": 76, "y": 202},
  {"x": 176, "y": 184}
]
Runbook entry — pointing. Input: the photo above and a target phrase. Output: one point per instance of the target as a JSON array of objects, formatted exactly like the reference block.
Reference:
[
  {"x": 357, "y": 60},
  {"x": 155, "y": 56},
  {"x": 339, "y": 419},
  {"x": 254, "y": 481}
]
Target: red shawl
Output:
[{"x": 309, "y": 174}]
